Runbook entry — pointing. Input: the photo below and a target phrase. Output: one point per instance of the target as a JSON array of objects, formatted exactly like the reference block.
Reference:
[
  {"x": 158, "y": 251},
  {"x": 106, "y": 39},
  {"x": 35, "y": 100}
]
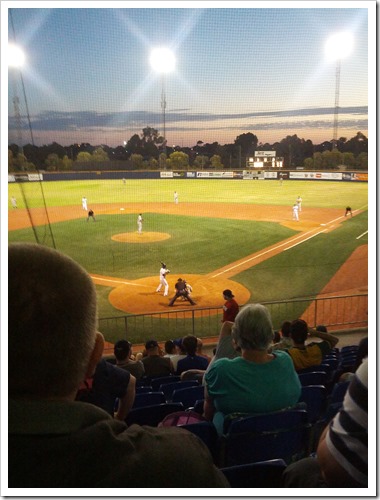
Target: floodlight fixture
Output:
[
  {"x": 338, "y": 47},
  {"x": 16, "y": 56},
  {"x": 163, "y": 61}
]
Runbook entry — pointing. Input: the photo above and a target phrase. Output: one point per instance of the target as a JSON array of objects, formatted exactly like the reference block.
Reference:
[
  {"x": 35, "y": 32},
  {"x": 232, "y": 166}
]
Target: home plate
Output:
[
  {"x": 122, "y": 209},
  {"x": 321, "y": 224}
]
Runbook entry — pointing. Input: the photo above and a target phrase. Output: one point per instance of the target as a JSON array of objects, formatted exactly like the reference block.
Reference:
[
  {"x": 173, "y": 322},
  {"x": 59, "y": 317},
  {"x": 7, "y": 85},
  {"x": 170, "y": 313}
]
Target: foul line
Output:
[
  {"x": 262, "y": 253},
  {"x": 365, "y": 232},
  {"x": 279, "y": 246},
  {"x": 303, "y": 241},
  {"x": 119, "y": 282}
]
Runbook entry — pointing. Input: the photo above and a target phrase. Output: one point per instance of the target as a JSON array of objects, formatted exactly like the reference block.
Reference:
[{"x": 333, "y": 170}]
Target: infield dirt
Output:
[{"x": 139, "y": 296}]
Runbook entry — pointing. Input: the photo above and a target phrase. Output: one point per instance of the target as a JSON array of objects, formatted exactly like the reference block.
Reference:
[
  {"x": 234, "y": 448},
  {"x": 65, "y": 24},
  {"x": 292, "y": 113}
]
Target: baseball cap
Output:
[
  {"x": 150, "y": 344},
  {"x": 228, "y": 293}
]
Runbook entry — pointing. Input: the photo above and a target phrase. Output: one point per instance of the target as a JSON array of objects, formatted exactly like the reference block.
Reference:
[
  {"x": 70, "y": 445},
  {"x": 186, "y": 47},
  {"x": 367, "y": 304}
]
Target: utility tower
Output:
[
  {"x": 336, "y": 109},
  {"x": 16, "y": 106}
]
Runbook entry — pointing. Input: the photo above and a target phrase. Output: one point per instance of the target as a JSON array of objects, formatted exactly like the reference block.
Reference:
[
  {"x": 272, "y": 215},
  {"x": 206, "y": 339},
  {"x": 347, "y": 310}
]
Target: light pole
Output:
[
  {"x": 162, "y": 61},
  {"x": 337, "y": 47},
  {"x": 16, "y": 60}
]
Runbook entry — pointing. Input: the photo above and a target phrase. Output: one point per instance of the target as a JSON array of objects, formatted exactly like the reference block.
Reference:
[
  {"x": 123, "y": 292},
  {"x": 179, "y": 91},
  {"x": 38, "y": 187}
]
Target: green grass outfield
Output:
[
  {"x": 199, "y": 245},
  {"x": 324, "y": 194}
]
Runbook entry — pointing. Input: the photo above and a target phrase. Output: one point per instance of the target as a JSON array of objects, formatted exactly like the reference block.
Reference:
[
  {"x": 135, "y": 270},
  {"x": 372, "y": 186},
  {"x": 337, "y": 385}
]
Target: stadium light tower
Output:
[
  {"x": 162, "y": 61},
  {"x": 338, "y": 47},
  {"x": 16, "y": 59}
]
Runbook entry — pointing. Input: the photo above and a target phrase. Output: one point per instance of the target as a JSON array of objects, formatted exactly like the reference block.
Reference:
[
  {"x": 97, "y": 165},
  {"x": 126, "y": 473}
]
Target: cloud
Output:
[{"x": 90, "y": 120}]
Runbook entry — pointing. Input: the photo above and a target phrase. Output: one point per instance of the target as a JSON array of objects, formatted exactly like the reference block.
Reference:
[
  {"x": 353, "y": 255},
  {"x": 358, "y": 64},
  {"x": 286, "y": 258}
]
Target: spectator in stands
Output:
[
  {"x": 191, "y": 361},
  {"x": 230, "y": 307},
  {"x": 306, "y": 355},
  {"x": 253, "y": 382},
  {"x": 342, "y": 455},
  {"x": 156, "y": 365},
  {"x": 122, "y": 351},
  {"x": 111, "y": 389},
  {"x": 180, "y": 353},
  {"x": 199, "y": 350},
  {"x": 285, "y": 342},
  {"x": 170, "y": 349},
  {"x": 54, "y": 441}
]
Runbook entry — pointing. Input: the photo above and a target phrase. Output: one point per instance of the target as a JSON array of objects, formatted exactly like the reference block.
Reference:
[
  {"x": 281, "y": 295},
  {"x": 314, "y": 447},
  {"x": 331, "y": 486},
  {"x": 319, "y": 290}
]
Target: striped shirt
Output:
[{"x": 347, "y": 438}]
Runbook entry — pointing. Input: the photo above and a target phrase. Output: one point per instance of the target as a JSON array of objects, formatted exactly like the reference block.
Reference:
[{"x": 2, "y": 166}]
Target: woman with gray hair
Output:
[{"x": 256, "y": 381}]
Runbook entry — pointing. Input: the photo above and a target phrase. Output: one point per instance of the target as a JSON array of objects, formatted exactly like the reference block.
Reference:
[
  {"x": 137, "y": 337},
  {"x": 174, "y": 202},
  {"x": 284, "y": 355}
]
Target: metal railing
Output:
[{"x": 336, "y": 312}]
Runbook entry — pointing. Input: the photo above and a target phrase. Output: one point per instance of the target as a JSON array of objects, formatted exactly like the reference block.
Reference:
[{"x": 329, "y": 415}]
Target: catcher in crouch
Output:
[
  {"x": 163, "y": 282},
  {"x": 181, "y": 291}
]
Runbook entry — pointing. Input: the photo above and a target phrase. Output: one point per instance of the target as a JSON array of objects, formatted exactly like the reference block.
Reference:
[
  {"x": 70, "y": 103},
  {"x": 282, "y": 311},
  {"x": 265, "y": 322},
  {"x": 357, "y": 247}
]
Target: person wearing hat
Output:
[
  {"x": 122, "y": 351},
  {"x": 156, "y": 365},
  {"x": 230, "y": 307},
  {"x": 181, "y": 291}
]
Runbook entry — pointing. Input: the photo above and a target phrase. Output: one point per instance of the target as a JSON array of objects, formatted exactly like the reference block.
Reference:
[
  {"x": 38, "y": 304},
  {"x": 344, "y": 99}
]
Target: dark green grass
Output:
[
  {"x": 196, "y": 246},
  {"x": 304, "y": 270}
]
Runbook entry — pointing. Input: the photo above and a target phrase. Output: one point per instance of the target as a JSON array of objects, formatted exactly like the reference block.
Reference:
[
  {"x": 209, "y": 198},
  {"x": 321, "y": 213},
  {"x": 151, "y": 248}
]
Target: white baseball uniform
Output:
[
  {"x": 299, "y": 202},
  {"x": 139, "y": 223},
  {"x": 84, "y": 203},
  {"x": 163, "y": 281},
  {"x": 295, "y": 212}
]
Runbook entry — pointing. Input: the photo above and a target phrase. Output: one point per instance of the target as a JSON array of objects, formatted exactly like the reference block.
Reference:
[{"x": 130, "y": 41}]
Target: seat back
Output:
[
  {"x": 156, "y": 382},
  {"x": 189, "y": 395},
  {"x": 168, "y": 389},
  {"x": 265, "y": 474},
  {"x": 339, "y": 391},
  {"x": 148, "y": 399},
  {"x": 143, "y": 388},
  {"x": 315, "y": 397},
  {"x": 313, "y": 378},
  {"x": 284, "y": 434},
  {"x": 152, "y": 415},
  {"x": 206, "y": 431}
]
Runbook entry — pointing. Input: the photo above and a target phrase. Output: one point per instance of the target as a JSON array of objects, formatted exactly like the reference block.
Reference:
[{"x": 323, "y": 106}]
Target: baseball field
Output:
[{"x": 234, "y": 234}]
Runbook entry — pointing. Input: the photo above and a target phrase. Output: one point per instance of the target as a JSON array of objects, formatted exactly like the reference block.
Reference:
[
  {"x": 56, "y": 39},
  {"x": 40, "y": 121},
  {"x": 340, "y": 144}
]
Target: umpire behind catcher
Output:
[{"x": 181, "y": 291}]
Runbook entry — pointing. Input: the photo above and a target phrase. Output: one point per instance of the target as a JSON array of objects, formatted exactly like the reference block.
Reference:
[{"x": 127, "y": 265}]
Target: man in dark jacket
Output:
[{"x": 181, "y": 291}]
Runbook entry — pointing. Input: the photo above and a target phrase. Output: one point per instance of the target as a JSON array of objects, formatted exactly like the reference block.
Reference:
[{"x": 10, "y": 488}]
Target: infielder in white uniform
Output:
[
  {"x": 299, "y": 202},
  {"x": 163, "y": 282},
  {"x": 295, "y": 211},
  {"x": 139, "y": 223},
  {"x": 175, "y": 197},
  {"x": 84, "y": 203}
]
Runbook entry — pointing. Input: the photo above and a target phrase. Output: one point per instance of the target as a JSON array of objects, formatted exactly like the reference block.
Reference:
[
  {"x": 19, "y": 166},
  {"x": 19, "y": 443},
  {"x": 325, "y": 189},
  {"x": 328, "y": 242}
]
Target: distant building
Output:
[{"x": 264, "y": 159}]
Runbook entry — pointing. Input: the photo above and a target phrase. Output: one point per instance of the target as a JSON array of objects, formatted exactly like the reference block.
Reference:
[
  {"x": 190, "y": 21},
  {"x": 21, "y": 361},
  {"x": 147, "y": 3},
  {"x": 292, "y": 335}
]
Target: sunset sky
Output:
[{"x": 257, "y": 67}]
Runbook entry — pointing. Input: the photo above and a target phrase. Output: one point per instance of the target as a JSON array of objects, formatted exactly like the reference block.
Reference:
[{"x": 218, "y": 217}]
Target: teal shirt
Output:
[{"x": 238, "y": 385}]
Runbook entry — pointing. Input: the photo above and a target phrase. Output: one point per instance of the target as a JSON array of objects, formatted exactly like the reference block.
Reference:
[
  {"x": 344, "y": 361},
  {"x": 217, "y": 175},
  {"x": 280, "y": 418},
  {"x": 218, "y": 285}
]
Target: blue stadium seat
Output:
[
  {"x": 148, "y": 399},
  {"x": 189, "y": 395},
  {"x": 315, "y": 397},
  {"x": 338, "y": 392},
  {"x": 168, "y": 389},
  {"x": 266, "y": 474},
  {"x": 152, "y": 415},
  {"x": 206, "y": 431},
  {"x": 313, "y": 378},
  {"x": 284, "y": 434},
  {"x": 156, "y": 382}
]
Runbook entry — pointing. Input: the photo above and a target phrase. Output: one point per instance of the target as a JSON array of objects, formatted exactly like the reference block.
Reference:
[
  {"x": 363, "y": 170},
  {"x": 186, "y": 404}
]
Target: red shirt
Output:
[{"x": 230, "y": 310}]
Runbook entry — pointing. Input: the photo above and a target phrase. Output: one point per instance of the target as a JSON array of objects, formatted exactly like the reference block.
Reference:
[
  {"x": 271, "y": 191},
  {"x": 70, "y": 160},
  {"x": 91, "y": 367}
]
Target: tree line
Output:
[{"x": 149, "y": 151}]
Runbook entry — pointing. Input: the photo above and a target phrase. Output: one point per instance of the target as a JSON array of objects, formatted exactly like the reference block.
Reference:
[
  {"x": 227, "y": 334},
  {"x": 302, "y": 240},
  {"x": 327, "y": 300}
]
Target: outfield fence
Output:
[{"x": 335, "y": 312}]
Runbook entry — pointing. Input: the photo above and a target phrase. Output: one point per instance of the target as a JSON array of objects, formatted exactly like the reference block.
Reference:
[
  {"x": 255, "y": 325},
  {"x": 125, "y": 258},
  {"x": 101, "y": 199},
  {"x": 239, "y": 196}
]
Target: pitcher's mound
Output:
[{"x": 140, "y": 237}]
